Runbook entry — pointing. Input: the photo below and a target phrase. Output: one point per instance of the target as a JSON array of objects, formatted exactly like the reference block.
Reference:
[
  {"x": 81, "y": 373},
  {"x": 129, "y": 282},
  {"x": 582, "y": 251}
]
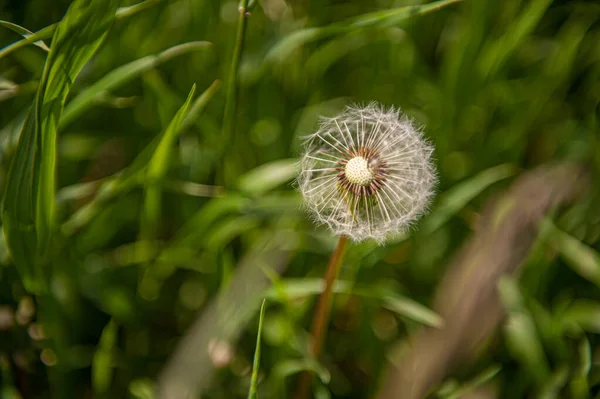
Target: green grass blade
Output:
[
  {"x": 102, "y": 363},
  {"x": 582, "y": 314},
  {"x": 266, "y": 177},
  {"x": 497, "y": 52},
  {"x": 119, "y": 76},
  {"x": 289, "y": 289},
  {"x": 256, "y": 363},
  {"x": 142, "y": 388},
  {"x": 18, "y": 217},
  {"x": 199, "y": 105},
  {"x": 229, "y": 117},
  {"x": 124, "y": 12},
  {"x": 47, "y": 32},
  {"x": 455, "y": 199},
  {"x": 25, "y": 33},
  {"x": 410, "y": 309},
  {"x": 522, "y": 337},
  {"x": 286, "y": 368},
  {"x": 580, "y": 386},
  {"x": 482, "y": 378},
  {"x": 284, "y": 48},
  {"x": 29, "y": 201},
  {"x": 581, "y": 258},
  {"x": 157, "y": 168}
]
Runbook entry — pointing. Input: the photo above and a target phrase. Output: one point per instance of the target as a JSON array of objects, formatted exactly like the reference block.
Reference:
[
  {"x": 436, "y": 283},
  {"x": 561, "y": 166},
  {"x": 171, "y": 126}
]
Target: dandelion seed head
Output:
[{"x": 367, "y": 173}]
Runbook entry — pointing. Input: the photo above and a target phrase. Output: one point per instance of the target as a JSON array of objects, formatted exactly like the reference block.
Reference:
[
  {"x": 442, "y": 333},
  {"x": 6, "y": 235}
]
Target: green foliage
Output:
[{"x": 135, "y": 211}]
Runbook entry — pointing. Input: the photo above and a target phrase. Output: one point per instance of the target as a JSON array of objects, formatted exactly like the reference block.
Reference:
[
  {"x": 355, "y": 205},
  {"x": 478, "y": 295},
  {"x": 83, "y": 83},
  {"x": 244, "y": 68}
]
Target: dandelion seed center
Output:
[
  {"x": 363, "y": 172},
  {"x": 358, "y": 172}
]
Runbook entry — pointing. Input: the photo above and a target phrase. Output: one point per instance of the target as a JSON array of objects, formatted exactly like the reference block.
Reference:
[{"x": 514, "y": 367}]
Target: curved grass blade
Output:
[
  {"x": 468, "y": 387},
  {"x": 459, "y": 196},
  {"x": 289, "y": 289},
  {"x": 25, "y": 33},
  {"x": 287, "y": 368},
  {"x": 256, "y": 363},
  {"x": 157, "y": 167},
  {"x": 44, "y": 33},
  {"x": 580, "y": 386},
  {"x": 102, "y": 363},
  {"x": 581, "y": 258},
  {"x": 583, "y": 314},
  {"x": 48, "y": 31},
  {"x": 127, "y": 11},
  {"x": 29, "y": 202},
  {"x": 379, "y": 18},
  {"x": 86, "y": 99},
  {"x": 266, "y": 177},
  {"x": 142, "y": 388}
]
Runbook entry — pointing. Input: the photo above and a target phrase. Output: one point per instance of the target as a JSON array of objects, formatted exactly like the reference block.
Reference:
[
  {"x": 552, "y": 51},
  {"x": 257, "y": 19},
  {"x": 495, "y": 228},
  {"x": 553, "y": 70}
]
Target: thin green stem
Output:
[
  {"x": 232, "y": 84},
  {"x": 322, "y": 312}
]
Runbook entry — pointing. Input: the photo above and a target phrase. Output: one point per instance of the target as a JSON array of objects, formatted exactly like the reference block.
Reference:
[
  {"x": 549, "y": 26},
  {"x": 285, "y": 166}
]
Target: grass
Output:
[{"x": 145, "y": 222}]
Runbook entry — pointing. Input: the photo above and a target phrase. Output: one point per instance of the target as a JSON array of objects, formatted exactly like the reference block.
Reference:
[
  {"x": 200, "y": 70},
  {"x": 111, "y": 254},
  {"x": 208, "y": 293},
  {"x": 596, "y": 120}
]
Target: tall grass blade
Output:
[
  {"x": 28, "y": 208},
  {"x": 119, "y": 76},
  {"x": 157, "y": 167},
  {"x": 256, "y": 363},
  {"x": 229, "y": 116}
]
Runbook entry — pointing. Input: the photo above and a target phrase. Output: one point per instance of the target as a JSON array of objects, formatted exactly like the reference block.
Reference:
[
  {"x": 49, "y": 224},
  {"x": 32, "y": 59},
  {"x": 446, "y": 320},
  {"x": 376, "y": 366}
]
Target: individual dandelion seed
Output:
[{"x": 367, "y": 173}]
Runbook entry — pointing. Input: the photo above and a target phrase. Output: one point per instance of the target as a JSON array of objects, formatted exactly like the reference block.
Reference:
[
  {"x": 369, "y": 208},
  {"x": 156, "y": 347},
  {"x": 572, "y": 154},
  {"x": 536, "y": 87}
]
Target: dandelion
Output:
[{"x": 367, "y": 173}]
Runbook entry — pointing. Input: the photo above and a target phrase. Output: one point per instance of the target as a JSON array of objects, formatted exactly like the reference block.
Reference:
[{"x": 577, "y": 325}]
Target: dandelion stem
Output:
[{"x": 321, "y": 315}]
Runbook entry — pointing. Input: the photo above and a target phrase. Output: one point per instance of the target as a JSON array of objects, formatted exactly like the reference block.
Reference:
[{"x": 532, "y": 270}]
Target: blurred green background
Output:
[{"x": 499, "y": 87}]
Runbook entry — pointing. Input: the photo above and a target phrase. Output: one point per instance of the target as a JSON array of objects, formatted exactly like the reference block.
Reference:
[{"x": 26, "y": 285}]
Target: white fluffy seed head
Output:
[
  {"x": 367, "y": 173},
  {"x": 358, "y": 172}
]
